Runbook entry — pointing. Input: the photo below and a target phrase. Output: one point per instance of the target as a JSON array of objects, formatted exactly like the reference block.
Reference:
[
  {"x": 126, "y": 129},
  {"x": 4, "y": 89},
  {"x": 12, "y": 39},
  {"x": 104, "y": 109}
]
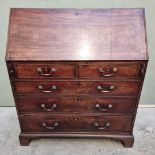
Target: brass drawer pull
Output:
[
  {"x": 109, "y": 106},
  {"x": 41, "y": 88},
  {"x": 46, "y": 71},
  {"x": 102, "y": 128},
  {"x": 55, "y": 124},
  {"x": 108, "y": 71},
  {"x": 105, "y": 89},
  {"x": 48, "y": 109}
]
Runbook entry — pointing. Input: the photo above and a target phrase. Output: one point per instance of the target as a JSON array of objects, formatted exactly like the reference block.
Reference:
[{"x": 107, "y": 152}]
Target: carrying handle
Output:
[
  {"x": 55, "y": 124},
  {"x": 41, "y": 88},
  {"x": 109, "y": 106},
  {"x": 108, "y": 72},
  {"x": 102, "y": 128},
  {"x": 48, "y": 109},
  {"x": 105, "y": 89},
  {"x": 45, "y": 70}
]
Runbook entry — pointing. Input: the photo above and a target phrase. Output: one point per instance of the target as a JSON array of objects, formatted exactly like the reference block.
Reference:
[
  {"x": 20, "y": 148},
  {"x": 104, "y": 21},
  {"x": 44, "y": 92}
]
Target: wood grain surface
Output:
[
  {"x": 77, "y": 105},
  {"x": 76, "y": 123},
  {"x": 129, "y": 88},
  {"x": 77, "y": 34}
]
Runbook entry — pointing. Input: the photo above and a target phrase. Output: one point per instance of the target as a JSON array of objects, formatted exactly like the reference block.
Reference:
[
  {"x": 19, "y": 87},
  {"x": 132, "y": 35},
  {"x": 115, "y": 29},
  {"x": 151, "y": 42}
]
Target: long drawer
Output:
[
  {"x": 76, "y": 105},
  {"x": 75, "y": 123},
  {"x": 78, "y": 87}
]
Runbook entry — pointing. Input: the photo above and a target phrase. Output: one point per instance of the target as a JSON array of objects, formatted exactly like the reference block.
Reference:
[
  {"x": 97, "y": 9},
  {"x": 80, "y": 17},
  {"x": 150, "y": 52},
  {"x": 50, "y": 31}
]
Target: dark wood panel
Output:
[
  {"x": 110, "y": 69},
  {"x": 77, "y": 34},
  {"x": 76, "y": 105},
  {"x": 78, "y": 87},
  {"x": 75, "y": 123},
  {"x": 44, "y": 70}
]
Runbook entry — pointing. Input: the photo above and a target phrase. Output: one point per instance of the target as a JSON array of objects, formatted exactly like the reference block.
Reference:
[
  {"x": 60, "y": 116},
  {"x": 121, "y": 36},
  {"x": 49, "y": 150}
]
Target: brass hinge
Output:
[
  {"x": 143, "y": 68},
  {"x": 10, "y": 70}
]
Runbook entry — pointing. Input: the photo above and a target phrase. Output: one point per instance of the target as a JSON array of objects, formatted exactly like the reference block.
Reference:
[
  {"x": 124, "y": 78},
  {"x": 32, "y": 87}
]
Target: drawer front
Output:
[
  {"x": 128, "y": 88},
  {"x": 44, "y": 71},
  {"x": 75, "y": 123},
  {"x": 76, "y": 87},
  {"x": 130, "y": 70},
  {"x": 76, "y": 105}
]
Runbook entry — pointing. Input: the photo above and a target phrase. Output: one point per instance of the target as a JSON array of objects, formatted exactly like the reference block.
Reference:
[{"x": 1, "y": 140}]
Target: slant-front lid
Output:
[{"x": 76, "y": 34}]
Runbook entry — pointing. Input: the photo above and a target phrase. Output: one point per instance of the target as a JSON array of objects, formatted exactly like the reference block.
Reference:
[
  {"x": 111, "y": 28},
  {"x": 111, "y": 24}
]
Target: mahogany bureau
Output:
[{"x": 77, "y": 72}]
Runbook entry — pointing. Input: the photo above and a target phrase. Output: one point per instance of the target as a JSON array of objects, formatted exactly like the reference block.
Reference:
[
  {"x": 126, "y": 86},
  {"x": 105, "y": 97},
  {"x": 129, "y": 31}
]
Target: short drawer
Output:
[
  {"x": 78, "y": 87},
  {"x": 75, "y": 123},
  {"x": 76, "y": 105},
  {"x": 110, "y": 69},
  {"x": 44, "y": 70}
]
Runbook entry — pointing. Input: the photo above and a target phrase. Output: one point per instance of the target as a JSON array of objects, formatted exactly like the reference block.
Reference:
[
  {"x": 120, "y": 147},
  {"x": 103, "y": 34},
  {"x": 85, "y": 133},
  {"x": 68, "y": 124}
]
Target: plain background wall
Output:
[{"x": 148, "y": 93}]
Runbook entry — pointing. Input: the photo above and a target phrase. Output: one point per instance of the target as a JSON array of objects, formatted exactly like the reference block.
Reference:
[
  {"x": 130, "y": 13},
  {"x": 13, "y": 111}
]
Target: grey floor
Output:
[{"x": 144, "y": 132}]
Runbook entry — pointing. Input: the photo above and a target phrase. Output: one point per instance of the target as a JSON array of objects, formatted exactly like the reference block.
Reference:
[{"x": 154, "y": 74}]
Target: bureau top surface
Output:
[{"x": 76, "y": 34}]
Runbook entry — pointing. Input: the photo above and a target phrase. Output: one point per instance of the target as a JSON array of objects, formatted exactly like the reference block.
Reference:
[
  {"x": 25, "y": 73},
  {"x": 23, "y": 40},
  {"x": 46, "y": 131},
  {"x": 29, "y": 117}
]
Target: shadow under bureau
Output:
[{"x": 77, "y": 72}]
